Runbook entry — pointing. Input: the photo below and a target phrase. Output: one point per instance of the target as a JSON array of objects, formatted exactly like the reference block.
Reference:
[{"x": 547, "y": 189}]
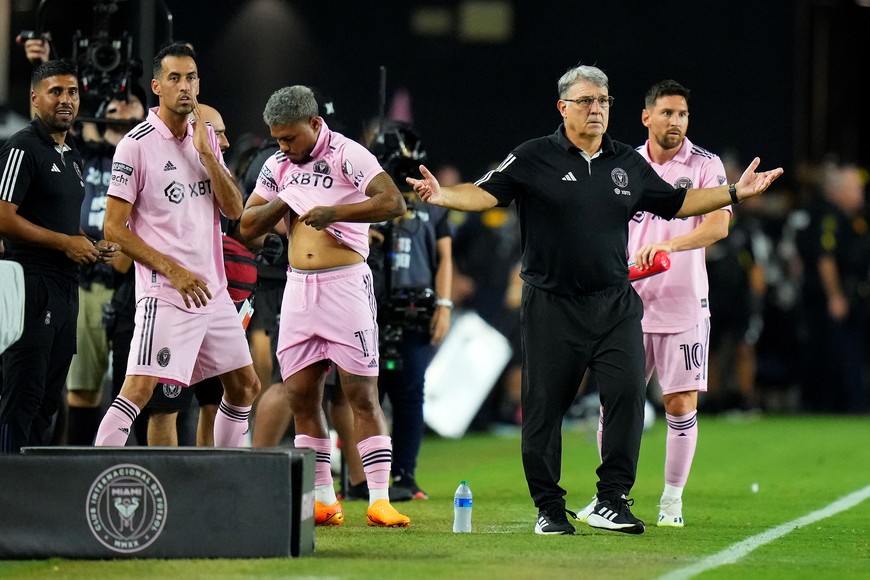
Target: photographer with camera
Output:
[
  {"x": 412, "y": 261},
  {"x": 107, "y": 67},
  {"x": 37, "y": 47}
]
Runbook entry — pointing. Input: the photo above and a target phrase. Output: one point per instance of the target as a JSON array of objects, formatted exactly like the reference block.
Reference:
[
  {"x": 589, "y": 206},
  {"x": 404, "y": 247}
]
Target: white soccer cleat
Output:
[
  {"x": 670, "y": 513},
  {"x": 583, "y": 515}
]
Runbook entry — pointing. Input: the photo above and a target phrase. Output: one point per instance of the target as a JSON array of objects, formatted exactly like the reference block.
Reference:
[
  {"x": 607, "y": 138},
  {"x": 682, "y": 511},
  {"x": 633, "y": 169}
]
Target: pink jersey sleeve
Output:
[
  {"x": 267, "y": 181},
  {"x": 128, "y": 171},
  {"x": 358, "y": 164},
  {"x": 712, "y": 174}
]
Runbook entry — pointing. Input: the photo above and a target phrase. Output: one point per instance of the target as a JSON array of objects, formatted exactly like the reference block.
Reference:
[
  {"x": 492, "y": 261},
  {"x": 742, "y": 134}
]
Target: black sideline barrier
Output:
[{"x": 163, "y": 502}]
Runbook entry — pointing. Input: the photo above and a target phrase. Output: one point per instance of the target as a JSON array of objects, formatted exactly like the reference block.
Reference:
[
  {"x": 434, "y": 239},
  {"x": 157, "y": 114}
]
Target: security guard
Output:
[
  {"x": 575, "y": 192},
  {"x": 41, "y": 193}
]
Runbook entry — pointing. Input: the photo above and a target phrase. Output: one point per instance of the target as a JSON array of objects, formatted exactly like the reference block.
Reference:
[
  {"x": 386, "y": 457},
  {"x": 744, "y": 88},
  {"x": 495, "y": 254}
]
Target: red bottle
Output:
[{"x": 661, "y": 263}]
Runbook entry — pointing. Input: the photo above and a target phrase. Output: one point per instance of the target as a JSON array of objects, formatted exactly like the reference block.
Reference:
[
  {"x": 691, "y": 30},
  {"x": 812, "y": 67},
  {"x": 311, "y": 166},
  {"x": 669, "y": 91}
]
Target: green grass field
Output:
[{"x": 801, "y": 464}]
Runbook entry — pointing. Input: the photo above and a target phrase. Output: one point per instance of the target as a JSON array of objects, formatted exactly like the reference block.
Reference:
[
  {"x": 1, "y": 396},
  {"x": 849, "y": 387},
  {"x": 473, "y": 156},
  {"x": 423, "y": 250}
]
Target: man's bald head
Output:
[{"x": 212, "y": 116}]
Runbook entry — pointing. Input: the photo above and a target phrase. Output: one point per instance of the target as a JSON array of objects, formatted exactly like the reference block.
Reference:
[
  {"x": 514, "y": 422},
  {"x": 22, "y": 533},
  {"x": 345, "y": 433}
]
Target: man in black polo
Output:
[
  {"x": 41, "y": 192},
  {"x": 575, "y": 192}
]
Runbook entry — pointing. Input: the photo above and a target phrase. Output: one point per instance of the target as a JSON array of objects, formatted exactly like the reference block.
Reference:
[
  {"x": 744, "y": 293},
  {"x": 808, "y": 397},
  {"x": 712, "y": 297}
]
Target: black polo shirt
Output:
[
  {"x": 46, "y": 184},
  {"x": 574, "y": 213}
]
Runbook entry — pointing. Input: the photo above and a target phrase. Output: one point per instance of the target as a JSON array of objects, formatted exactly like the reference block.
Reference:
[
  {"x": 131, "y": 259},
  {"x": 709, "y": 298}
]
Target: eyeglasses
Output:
[{"x": 586, "y": 102}]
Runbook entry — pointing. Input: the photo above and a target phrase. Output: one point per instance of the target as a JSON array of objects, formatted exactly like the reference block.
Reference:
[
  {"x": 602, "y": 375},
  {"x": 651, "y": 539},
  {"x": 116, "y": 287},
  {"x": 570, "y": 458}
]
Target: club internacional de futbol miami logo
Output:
[
  {"x": 126, "y": 508},
  {"x": 619, "y": 177},
  {"x": 683, "y": 182}
]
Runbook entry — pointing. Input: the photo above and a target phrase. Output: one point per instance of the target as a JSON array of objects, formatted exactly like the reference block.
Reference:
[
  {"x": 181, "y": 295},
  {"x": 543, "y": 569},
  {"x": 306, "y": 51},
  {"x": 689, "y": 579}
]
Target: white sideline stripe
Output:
[{"x": 736, "y": 551}]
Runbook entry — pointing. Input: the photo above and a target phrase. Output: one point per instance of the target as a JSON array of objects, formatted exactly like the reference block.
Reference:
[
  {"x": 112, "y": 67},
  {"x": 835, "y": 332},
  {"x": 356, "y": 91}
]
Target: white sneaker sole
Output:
[
  {"x": 583, "y": 515},
  {"x": 601, "y": 523},
  {"x": 541, "y": 532},
  {"x": 666, "y": 521}
]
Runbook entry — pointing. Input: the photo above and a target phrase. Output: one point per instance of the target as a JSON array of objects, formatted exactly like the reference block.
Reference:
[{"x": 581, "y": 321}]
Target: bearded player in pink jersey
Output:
[
  {"x": 676, "y": 313},
  {"x": 329, "y": 189},
  {"x": 170, "y": 184}
]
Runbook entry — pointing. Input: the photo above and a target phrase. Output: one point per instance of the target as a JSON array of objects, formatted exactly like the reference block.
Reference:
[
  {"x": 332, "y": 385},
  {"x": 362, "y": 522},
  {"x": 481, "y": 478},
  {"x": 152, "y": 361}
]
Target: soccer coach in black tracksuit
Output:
[
  {"x": 575, "y": 192},
  {"x": 41, "y": 193}
]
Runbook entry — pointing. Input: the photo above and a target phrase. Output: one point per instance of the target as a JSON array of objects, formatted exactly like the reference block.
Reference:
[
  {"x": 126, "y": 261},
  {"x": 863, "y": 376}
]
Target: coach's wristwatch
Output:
[{"x": 732, "y": 191}]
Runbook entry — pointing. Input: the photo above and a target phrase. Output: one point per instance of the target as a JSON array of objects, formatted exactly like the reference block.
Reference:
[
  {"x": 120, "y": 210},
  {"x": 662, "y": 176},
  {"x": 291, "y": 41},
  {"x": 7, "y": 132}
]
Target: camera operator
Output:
[
  {"x": 37, "y": 47},
  {"x": 413, "y": 255},
  {"x": 106, "y": 65}
]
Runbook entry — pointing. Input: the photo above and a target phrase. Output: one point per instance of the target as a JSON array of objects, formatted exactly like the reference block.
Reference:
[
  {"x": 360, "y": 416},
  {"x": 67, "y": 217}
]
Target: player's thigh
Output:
[
  {"x": 361, "y": 390},
  {"x": 224, "y": 345},
  {"x": 304, "y": 388}
]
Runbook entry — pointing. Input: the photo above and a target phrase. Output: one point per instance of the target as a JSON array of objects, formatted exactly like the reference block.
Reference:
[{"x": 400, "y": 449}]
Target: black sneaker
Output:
[
  {"x": 360, "y": 492},
  {"x": 408, "y": 483},
  {"x": 356, "y": 492},
  {"x": 552, "y": 521},
  {"x": 400, "y": 493},
  {"x": 615, "y": 516}
]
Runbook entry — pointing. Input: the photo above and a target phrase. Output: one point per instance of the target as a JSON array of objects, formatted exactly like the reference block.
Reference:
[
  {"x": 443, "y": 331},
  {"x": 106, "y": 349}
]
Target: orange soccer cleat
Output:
[
  {"x": 382, "y": 513},
  {"x": 328, "y": 515}
]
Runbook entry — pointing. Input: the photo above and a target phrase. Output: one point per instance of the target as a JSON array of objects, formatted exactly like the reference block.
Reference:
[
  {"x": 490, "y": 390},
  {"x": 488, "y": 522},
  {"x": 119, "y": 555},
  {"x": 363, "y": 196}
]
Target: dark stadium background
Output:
[{"x": 776, "y": 78}]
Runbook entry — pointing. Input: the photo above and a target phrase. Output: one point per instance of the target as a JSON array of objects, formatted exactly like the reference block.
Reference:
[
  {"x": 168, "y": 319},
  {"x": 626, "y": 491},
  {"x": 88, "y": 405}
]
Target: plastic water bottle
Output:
[{"x": 462, "y": 508}]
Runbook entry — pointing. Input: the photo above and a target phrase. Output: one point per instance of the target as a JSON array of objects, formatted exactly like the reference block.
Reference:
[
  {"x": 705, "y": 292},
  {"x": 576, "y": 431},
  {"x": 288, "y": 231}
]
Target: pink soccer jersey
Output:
[
  {"x": 174, "y": 208},
  {"x": 338, "y": 173},
  {"x": 676, "y": 300}
]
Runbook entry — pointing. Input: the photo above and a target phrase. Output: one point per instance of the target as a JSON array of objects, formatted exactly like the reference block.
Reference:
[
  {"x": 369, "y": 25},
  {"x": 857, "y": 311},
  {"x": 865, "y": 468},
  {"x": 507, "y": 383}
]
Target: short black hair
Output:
[
  {"x": 52, "y": 68},
  {"x": 178, "y": 49},
  {"x": 665, "y": 88}
]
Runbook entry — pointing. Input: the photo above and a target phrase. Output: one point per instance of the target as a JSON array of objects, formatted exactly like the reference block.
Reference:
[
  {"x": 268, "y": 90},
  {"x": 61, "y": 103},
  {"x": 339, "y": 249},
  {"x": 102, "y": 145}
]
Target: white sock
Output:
[
  {"x": 325, "y": 494},
  {"x": 376, "y": 494},
  {"x": 672, "y": 492}
]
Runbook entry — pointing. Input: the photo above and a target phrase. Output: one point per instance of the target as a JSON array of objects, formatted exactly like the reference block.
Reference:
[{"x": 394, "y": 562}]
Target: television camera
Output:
[
  {"x": 398, "y": 148},
  {"x": 106, "y": 63}
]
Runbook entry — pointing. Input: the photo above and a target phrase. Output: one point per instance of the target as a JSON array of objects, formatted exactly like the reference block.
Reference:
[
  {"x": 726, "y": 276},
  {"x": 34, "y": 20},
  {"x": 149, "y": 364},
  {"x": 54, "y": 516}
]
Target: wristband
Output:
[
  {"x": 445, "y": 302},
  {"x": 732, "y": 191}
]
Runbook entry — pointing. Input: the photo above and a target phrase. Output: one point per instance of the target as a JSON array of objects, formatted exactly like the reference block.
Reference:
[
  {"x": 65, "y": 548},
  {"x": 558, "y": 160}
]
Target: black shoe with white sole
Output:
[
  {"x": 552, "y": 521},
  {"x": 615, "y": 516}
]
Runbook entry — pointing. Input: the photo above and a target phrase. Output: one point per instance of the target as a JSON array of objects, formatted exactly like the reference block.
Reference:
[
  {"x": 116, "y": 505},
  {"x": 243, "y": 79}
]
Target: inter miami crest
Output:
[
  {"x": 163, "y": 356},
  {"x": 683, "y": 182},
  {"x": 171, "y": 391},
  {"x": 126, "y": 508},
  {"x": 619, "y": 177}
]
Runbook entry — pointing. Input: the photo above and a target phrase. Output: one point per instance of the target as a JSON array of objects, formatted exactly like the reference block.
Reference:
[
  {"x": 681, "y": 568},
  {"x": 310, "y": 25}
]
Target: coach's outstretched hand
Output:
[
  {"x": 427, "y": 188},
  {"x": 752, "y": 183}
]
